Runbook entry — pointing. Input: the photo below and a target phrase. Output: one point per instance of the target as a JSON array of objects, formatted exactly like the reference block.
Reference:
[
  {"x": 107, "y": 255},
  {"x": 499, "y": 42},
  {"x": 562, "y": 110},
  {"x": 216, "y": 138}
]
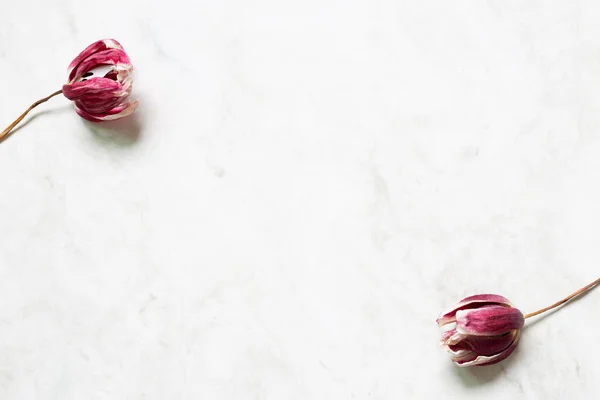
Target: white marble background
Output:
[{"x": 304, "y": 187}]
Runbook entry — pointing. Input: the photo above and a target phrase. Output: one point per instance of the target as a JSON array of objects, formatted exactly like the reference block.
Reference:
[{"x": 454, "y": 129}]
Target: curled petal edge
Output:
[
  {"x": 478, "y": 300},
  {"x": 115, "y": 113},
  {"x": 483, "y": 361},
  {"x": 93, "y": 48}
]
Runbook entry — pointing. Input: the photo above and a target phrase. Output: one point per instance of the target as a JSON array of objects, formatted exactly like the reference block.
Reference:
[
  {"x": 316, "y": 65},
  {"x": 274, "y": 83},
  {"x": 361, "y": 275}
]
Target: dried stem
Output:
[
  {"x": 563, "y": 301},
  {"x": 34, "y": 105}
]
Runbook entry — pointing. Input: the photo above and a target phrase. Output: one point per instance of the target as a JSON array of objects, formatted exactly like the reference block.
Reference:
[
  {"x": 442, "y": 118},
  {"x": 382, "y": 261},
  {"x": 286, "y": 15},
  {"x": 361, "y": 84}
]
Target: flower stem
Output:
[
  {"x": 31, "y": 107},
  {"x": 563, "y": 301}
]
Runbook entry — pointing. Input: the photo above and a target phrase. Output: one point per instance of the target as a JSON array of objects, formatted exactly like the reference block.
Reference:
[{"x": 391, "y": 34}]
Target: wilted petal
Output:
[
  {"x": 97, "y": 95},
  {"x": 457, "y": 352},
  {"x": 482, "y": 345},
  {"x": 120, "y": 112},
  {"x": 447, "y": 335},
  {"x": 463, "y": 356},
  {"x": 472, "y": 302},
  {"x": 489, "y": 360},
  {"x": 111, "y": 115},
  {"x": 489, "y": 346},
  {"x": 105, "y": 57},
  {"x": 489, "y": 320},
  {"x": 95, "y": 87},
  {"x": 453, "y": 342},
  {"x": 93, "y": 48}
]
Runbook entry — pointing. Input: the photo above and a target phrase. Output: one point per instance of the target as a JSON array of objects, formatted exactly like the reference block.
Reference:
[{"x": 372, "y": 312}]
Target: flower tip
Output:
[
  {"x": 441, "y": 321},
  {"x": 112, "y": 44}
]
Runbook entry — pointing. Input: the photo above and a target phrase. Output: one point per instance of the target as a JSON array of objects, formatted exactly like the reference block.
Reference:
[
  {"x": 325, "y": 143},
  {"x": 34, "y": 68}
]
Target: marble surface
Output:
[{"x": 304, "y": 187}]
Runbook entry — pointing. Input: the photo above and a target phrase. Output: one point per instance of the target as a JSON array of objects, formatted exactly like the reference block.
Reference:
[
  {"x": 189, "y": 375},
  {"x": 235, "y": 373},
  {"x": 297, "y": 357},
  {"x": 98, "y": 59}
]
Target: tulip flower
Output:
[
  {"x": 99, "y": 84},
  {"x": 487, "y": 328},
  {"x": 104, "y": 97}
]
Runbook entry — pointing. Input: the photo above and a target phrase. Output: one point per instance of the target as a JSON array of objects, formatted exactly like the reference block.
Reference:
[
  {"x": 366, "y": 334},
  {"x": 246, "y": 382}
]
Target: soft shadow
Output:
[
  {"x": 472, "y": 377},
  {"x": 33, "y": 117},
  {"x": 123, "y": 132}
]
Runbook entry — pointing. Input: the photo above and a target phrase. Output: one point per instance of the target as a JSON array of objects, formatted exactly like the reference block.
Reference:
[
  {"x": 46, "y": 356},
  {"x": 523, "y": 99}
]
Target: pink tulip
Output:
[
  {"x": 487, "y": 330},
  {"x": 100, "y": 82}
]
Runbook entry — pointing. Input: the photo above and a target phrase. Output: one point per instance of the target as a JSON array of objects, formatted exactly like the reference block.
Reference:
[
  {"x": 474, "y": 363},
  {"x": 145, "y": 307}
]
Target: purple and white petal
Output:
[
  {"x": 93, "y": 48},
  {"x": 482, "y": 345},
  {"x": 105, "y": 57},
  {"x": 489, "y": 360},
  {"x": 489, "y": 321},
  {"x": 475, "y": 301},
  {"x": 111, "y": 115}
]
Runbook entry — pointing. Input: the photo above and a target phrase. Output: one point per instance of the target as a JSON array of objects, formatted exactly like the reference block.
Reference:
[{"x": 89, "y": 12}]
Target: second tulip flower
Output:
[{"x": 487, "y": 330}]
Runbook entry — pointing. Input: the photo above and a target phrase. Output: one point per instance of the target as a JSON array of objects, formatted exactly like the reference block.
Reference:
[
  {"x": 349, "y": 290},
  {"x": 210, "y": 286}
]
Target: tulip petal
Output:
[
  {"x": 113, "y": 114},
  {"x": 472, "y": 302},
  {"x": 93, "y": 48},
  {"x": 105, "y": 96},
  {"x": 482, "y": 345},
  {"x": 489, "y": 360},
  {"x": 489, "y": 320},
  {"x": 97, "y": 87},
  {"x": 490, "y": 346},
  {"x": 452, "y": 342},
  {"x": 463, "y": 357},
  {"x": 105, "y": 57},
  {"x": 447, "y": 335}
]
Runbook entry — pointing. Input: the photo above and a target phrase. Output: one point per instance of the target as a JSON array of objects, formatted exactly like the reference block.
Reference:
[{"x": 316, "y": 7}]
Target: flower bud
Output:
[
  {"x": 100, "y": 82},
  {"x": 486, "y": 332}
]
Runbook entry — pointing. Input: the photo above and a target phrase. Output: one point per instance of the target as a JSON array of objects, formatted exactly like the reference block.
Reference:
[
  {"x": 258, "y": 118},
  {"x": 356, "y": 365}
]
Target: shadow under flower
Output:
[{"x": 123, "y": 132}]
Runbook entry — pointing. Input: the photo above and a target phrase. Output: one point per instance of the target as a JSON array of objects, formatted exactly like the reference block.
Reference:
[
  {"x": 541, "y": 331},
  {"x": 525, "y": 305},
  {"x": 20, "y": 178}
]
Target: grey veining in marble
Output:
[{"x": 304, "y": 187}]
